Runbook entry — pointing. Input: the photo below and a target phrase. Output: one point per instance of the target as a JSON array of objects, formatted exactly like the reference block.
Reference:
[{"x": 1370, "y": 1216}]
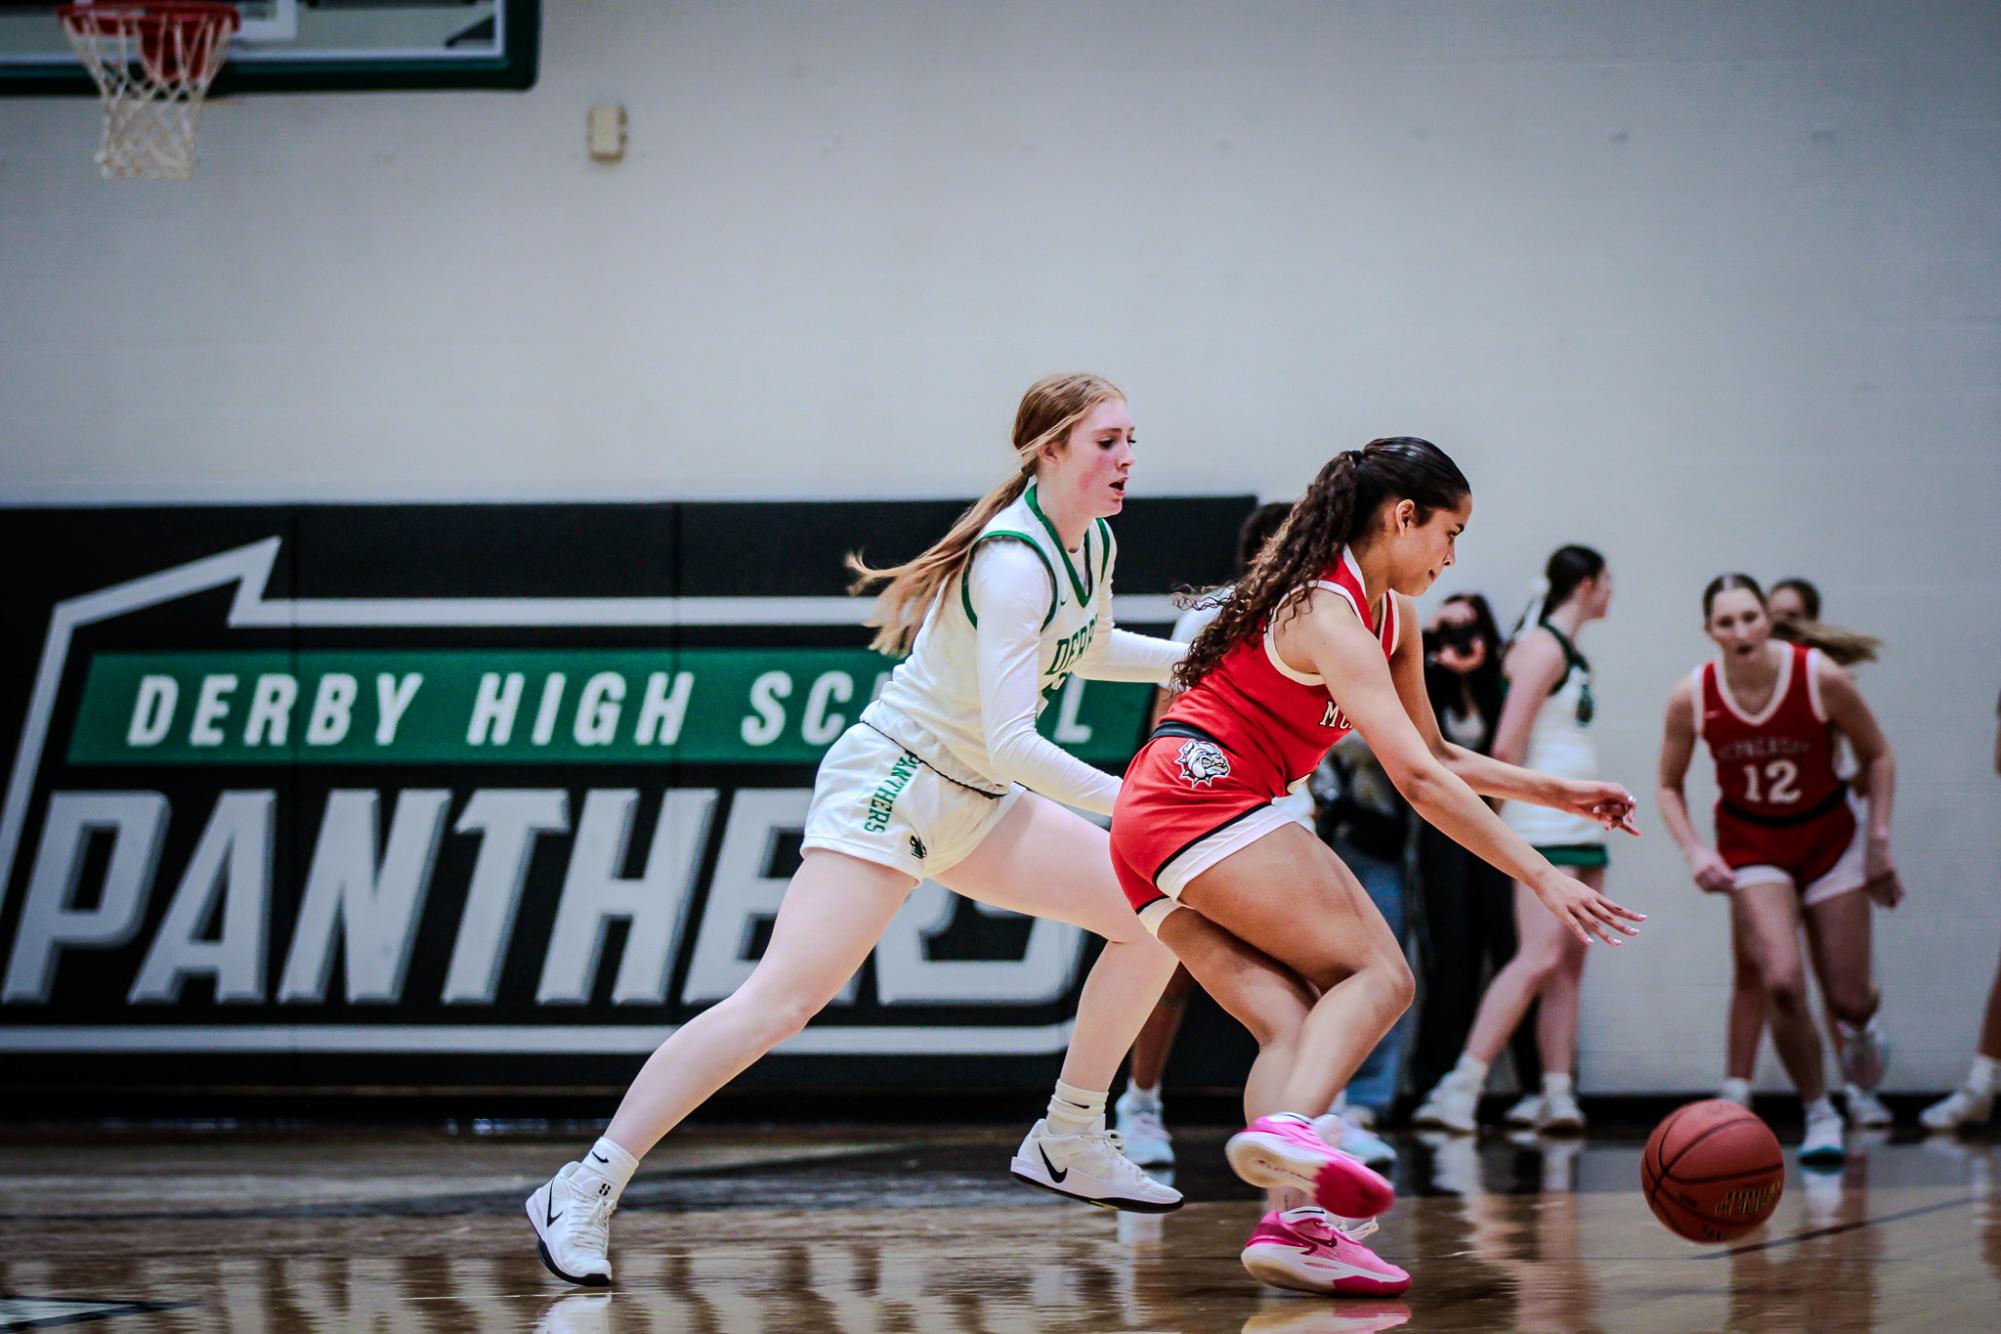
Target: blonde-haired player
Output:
[{"x": 946, "y": 778}]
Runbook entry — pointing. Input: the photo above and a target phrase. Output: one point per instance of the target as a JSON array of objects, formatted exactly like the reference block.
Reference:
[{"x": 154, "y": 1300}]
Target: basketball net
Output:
[{"x": 153, "y": 63}]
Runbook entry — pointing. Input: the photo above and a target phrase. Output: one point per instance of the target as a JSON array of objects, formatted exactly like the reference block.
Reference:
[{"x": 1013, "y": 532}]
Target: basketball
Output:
[{"x": 1712, "y": 1171}]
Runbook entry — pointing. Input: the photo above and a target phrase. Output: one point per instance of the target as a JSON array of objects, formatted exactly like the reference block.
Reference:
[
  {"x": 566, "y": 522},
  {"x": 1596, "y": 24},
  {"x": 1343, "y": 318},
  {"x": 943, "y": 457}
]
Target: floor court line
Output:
[{"x": 1775, "y": 1242}]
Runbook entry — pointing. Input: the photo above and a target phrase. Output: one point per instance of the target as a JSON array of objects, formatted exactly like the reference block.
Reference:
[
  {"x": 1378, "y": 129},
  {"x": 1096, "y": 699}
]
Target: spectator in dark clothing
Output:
[{"x": 1466, "y": 925}]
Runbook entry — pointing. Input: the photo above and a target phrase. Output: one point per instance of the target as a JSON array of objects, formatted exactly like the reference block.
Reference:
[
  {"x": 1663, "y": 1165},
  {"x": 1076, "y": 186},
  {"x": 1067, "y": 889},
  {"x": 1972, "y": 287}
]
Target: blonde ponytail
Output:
[
  {"x": 1051, "y": 407},
  {"x": 1844, "y": 648}
]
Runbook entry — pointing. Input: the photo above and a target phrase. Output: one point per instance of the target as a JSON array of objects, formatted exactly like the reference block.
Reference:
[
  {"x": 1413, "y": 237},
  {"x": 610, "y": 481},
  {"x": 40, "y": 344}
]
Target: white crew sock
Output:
[
  {"x": 1819, "y": 1107},
  {"x": 1736, "y": 1090},
  {"x": 1555, "y": 1085},
  {"x": 1471, "y": 1071},
  {"x": 1140, "y": 1094},
  {"x": 1072, "y": 1110},
  {"x": 1850, "y": 1031},
  {"x": 1985, "y": 1076},
  {"x": 607, "y": 1162}
]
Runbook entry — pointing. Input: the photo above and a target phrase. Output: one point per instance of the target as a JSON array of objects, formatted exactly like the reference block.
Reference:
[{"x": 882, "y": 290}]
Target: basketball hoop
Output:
[{"x": 153, "y": 62}]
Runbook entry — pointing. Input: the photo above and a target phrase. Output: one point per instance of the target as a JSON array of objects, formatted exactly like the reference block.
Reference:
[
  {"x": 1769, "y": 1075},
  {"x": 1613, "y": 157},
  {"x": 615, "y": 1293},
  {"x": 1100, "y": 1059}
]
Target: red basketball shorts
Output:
[
  {"x": 1820, "y": 857},
  {"x": 1187, "y": 804}
]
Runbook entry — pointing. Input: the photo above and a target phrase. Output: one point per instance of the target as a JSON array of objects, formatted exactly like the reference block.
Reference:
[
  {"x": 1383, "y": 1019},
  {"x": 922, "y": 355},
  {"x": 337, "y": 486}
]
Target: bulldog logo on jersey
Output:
[{"x": 1202, "y": 762}]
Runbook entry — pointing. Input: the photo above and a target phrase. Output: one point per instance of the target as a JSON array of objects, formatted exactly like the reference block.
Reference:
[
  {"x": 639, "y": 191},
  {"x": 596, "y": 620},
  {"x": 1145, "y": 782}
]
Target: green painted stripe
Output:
[{"x": 735, "y": 706}]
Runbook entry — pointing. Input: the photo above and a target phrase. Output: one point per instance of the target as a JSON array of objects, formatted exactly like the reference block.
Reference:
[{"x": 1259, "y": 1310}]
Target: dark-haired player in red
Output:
[
  {"x": 1312, "y": 644},
  {"x": 1788, "y": 847}
]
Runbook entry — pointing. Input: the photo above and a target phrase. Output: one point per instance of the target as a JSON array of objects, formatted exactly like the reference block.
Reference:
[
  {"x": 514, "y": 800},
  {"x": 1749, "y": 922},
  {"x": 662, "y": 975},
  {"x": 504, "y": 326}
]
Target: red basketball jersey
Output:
[
  {"x": 1779, "y": 762},
  {"x": 1261, "y": 710}
]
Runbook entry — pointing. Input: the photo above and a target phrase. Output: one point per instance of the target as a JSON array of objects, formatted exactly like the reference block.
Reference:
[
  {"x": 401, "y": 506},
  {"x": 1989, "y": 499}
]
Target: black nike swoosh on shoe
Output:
[
  {"x": 550, "y": 1209},
  {"x": 1054, "y": 1175}
]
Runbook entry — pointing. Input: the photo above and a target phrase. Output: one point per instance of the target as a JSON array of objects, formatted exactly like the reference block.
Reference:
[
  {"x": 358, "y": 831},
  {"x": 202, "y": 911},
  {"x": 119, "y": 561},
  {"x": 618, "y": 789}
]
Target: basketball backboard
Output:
[{"x": 296, "y": 46}]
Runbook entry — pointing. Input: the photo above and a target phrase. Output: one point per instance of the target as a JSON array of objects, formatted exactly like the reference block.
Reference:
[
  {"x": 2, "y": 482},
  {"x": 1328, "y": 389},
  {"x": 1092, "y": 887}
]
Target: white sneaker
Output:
[
  {"x": 572, "y": 1217},
  {"x": 1962, "y": 1107},
  {"x": 1822, "y": 1142},
  {"x": 1527, "y": 1112},
  {"x": 1091, "y": 1167},
  {"x": 1865, "y": 1109},
  {"x": 1346, "y": 1131},
  {"x": 1139, "y": 1121},
  {"x": 1561, "y": 1115},
  {"x": 1449, "y": 1106}
]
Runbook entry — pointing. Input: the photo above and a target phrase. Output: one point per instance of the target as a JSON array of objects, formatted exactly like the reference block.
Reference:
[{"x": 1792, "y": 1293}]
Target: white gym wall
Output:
[{"x": 1708, "y": 285}]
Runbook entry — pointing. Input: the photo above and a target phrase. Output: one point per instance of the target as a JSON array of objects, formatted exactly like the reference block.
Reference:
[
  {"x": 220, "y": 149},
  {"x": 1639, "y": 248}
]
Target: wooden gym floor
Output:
[{"x": 921, "y": 1230}]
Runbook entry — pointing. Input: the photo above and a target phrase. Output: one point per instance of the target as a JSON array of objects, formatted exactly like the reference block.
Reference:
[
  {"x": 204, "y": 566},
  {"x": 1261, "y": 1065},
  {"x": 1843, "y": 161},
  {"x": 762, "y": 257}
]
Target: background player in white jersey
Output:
[
  {"x": 1545, "y": 725},
  {"x": 995, "y": 616}
]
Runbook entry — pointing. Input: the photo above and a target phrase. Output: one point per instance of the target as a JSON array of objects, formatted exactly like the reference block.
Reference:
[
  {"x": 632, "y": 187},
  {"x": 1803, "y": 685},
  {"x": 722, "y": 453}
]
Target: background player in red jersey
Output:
[
  {"x": 1276, "y": 928},
  {"x": 1793, "y": 603},
  {"x": 1788, "y": 847}
]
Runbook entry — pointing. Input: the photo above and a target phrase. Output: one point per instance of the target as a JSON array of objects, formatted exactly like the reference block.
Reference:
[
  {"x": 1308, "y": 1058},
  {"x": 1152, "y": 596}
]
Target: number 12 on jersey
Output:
[{"x": 1782, "y": 783}]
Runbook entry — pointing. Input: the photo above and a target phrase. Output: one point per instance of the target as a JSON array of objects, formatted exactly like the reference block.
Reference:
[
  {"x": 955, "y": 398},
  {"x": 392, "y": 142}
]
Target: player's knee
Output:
[
  {"x": 1275, "y": 1018},
  {"x": 1542, "y": 966},
  {"x": 1785, "y": 990},
  {"x": 781, "y": 1016},
  {"x": 1399, "y": 984},
  {"x": 1852, "y": 1003}
]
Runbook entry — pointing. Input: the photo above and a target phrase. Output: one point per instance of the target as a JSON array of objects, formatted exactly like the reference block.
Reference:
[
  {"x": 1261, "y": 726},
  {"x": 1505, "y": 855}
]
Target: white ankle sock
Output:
[
  {"x": 1143, "y": 1094},
  {"x": 1556, "y": 1086},
  {"x": 607, "y": 1162},
  {"x": 1072, "y": 1110},
  {"x": 1819, "y": 1107},
  {"x": 1470, "y": 1070},
  {"x": 1736, "y": 1090},
  {"x": 1850, "y": 1031},
  {"x": 1985, "y": 1076}
]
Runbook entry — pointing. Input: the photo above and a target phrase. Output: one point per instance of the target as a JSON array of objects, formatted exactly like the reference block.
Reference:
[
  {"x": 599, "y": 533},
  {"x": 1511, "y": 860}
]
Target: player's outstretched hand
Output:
[
  {"x": 1608, "y": 804},
  {"x": 1583, "y": 910},
  {"x": 1882, "y": 884},
  {"x": 1712, "y": 874}
]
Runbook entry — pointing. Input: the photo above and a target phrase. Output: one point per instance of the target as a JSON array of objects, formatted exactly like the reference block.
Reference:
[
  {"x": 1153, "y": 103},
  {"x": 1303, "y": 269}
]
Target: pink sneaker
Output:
[
  {"x": 1282, "y": 1152},
  {"x": 1308, "y": 1250}
]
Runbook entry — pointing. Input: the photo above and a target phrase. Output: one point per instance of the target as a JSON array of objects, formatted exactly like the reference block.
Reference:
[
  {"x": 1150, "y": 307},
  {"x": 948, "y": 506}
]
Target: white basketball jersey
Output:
[{"x": 931, "y": 704}]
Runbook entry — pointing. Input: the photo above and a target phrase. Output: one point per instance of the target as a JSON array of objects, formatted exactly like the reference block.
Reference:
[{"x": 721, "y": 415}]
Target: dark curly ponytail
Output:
[{"x": 1335, "y": 510}]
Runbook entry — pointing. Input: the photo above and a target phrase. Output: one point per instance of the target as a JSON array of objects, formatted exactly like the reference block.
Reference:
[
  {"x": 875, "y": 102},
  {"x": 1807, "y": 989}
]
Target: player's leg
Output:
[
  {"x": 1141, "y": 1119},
  {"x": 833, "y": 912},
  {"x": 1539, "y": 954},
  {"x": 1374, "y": 1086},
  {"x": 1767, "y": 917},
  {"x": 1973, "y": 1101},
  {"x": 1556, "y": 1025},
  {"x": 1745, "y": 1025},
  {"x": 1266, "y": 997},
  {"x": 1838, "y": 931},
  {"x": 1296, "y": 1244},
  {"x": 1288, "y": 897},
  {"x": 1351, "y": 1123},
  {"x": 1046, "y": 861}
]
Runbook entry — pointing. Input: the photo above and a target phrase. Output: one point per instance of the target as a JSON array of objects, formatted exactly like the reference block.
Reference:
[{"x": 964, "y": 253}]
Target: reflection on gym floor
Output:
[{"x": 924, "y": 1231}]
